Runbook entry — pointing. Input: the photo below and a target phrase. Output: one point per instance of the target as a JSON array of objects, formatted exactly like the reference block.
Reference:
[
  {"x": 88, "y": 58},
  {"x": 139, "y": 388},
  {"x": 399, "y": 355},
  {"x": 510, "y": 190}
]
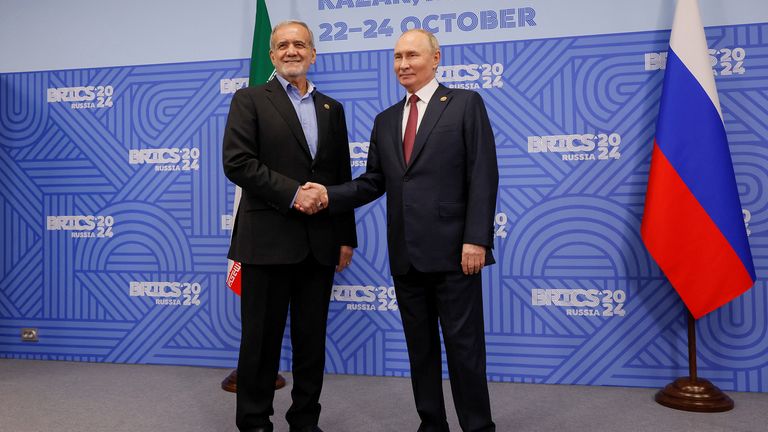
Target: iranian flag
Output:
[{"x": 261, "y": 72}]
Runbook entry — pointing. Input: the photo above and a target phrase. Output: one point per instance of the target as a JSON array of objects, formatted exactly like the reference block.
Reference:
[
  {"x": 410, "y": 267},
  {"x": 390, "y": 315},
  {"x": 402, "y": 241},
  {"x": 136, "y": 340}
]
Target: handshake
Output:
[{"x": 312, "y": 198}]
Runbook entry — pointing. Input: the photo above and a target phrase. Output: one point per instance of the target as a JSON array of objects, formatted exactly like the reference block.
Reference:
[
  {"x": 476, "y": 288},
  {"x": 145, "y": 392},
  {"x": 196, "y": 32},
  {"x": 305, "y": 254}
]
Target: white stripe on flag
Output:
[{"x": 690, "y": 44}]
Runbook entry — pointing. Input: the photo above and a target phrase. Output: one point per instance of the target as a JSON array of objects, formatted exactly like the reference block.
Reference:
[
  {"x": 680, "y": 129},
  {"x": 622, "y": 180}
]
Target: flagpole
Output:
[
  {"x": 692, "y": 373},
  {"x": 692, "y": 393}
]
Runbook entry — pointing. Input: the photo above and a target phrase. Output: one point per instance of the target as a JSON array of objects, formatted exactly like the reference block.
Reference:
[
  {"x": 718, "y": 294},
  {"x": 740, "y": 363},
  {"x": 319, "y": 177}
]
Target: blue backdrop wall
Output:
[{"x": 116, "y": 215}]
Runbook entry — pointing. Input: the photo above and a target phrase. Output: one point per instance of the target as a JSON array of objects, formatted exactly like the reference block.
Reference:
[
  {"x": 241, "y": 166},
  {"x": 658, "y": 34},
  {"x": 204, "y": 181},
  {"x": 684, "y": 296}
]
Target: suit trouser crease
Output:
[
  {"x": 454, "y": 302},
  {"x": 268, "y": 292}
]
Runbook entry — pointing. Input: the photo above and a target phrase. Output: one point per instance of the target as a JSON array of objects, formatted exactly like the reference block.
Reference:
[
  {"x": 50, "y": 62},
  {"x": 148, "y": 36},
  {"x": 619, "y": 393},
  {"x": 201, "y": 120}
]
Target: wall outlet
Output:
[{"x": 29, "y": 335}]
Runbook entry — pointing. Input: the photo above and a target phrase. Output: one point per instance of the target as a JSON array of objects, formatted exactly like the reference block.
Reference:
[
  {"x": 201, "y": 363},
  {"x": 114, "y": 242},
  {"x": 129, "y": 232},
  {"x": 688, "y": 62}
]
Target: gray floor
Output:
[{"x": 40, "y": 396}]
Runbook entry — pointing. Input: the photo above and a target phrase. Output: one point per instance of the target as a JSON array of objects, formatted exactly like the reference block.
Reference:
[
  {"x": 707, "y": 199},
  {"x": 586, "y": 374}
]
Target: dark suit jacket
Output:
[
  {"x": 445, "y": 197},
  {"x": 266, "y": 154}
]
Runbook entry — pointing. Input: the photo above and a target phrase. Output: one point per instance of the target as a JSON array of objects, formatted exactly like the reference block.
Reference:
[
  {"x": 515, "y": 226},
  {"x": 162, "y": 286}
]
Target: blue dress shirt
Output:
[{"x": 305, "y": 109}]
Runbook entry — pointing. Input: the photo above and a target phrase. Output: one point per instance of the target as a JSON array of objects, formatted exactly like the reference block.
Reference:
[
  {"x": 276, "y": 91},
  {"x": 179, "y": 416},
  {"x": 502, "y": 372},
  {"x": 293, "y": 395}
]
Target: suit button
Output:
[{"x": 406, "y": 178}]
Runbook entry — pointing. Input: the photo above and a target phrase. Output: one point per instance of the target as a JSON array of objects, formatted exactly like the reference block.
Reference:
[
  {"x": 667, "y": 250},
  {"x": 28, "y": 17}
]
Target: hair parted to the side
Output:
[
  {"x": 289, "y": 22},
  {"x": 433, "y": 43}
]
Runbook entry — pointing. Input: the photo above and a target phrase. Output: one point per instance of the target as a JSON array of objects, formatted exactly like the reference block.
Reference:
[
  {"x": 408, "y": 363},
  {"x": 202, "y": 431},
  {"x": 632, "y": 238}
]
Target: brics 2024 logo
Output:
[
  {"x": 227, "y": 222},
  {"x": 358, "y": 154},
  {"x": 578, "y": 147},
  {"x": 83, "y": 97},
  {"x": 167, "y": 159},
  {"x": 582, "y": 302},
  {"x": 168, "y": 293},
  {"x": 724, "y": 61},
  {"x": 231, "y": 85},
  {"x": 365, "y": 297},
  {"x": 83, "y": 226},
  {"x": 747, "y": 219},
  {"x": 471, "y": 76}
]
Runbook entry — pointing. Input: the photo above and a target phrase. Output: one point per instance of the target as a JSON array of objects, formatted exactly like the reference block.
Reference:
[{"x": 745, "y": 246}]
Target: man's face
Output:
[
  {"x": 415, "y": 63},
  {"x": 292, "y": 53}
]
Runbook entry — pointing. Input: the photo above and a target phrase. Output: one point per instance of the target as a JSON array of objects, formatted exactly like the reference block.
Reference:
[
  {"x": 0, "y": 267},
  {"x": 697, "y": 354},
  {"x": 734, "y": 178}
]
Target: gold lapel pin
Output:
[
  {"x": 326, "y": 106},
  {"x": 444, "y": 98}
]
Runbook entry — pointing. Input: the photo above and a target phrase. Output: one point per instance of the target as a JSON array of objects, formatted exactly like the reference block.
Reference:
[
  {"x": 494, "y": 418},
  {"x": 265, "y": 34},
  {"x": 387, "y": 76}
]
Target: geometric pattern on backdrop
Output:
[{"x": 114, "y": 213}]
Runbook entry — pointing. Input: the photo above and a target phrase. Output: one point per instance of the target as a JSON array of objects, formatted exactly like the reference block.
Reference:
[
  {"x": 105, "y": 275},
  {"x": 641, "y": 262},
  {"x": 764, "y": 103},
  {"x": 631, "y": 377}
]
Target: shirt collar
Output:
[
  {"x": 288, "y": 87},
  {"x": 425, "y": 93}
]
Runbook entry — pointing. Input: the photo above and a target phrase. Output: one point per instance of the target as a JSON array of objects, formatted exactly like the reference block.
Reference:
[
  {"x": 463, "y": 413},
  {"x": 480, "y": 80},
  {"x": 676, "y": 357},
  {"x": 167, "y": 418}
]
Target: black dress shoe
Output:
[
  {"x": 263, "y": 429},
  {"x": 305, "y": 429}
]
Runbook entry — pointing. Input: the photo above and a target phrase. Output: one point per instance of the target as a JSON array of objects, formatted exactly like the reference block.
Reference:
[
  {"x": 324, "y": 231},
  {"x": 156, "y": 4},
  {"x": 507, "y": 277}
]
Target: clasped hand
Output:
[{"x": 312, "y": 198}]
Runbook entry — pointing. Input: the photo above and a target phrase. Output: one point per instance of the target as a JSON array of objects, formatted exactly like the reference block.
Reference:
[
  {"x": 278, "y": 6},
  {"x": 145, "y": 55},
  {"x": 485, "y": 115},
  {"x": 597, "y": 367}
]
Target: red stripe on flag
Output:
[
  {"x": 681, "y": 236},
  {"x": 234, "y": 277}
]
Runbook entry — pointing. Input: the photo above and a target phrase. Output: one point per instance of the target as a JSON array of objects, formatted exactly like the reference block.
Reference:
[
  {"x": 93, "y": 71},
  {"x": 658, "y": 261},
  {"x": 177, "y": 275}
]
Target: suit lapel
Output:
[
  {"x": 284, "y": 107},
  {"x": 323, "y": 112},
  {"x": 397, "y": 118},
  {"x": 435, "y": 109}
]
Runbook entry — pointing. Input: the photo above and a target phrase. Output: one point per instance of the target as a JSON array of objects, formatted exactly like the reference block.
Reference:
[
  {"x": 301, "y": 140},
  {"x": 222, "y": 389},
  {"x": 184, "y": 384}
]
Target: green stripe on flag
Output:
[{"x": 261, "y": 66}]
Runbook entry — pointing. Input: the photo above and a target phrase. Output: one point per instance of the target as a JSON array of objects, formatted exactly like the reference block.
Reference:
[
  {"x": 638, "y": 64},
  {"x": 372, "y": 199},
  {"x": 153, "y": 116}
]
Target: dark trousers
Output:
[
  {"x": 455, "y": 301},
  {"x": 267, "y": 294}
]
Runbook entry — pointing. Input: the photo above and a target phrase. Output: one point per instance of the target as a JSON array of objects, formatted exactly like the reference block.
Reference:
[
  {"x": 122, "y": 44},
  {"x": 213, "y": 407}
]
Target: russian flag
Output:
[{"x": 692, "y": 223}]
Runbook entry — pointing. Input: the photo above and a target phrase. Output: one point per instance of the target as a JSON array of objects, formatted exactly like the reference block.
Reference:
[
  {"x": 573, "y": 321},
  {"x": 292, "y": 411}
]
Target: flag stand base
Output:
[
  {"x": 230, "y": 382},
  {"x": 692, "y": 393},
  {"x": 698, "y": 395}
]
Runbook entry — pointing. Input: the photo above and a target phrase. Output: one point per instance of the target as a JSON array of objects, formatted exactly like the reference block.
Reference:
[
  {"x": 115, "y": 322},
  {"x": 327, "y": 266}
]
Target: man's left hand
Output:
[
  {"x": 345, "y": 257},
  {"x": 472, "y": 258}
]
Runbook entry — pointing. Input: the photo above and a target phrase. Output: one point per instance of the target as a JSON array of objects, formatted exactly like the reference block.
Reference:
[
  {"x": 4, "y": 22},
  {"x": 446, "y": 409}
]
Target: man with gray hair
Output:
[
  {"x": 434, "y": 155},
  {"x": 279, "y": 136}
]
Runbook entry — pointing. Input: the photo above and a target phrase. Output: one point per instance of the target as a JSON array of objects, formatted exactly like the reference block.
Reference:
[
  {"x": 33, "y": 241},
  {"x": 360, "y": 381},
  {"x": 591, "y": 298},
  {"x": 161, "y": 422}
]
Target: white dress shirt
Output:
[{"x": 425, "y": 94}]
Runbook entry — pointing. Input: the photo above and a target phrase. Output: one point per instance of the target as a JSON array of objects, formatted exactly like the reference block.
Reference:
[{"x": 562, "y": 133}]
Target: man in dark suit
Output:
[
  {"x": 278, "y": 136},
  {"x": 434, "y": 155}
]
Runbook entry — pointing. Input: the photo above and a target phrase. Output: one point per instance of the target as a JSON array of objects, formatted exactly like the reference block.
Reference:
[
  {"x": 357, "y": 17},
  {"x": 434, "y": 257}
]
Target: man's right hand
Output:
[{"x": 312, "y": 198}]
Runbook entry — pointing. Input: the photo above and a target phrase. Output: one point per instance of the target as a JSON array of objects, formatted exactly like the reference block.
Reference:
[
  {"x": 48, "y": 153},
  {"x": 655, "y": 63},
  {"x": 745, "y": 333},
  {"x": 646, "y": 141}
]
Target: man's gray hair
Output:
[
  {"x": 433, "y": 43},
  {"x": 289, "y": 22}
]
